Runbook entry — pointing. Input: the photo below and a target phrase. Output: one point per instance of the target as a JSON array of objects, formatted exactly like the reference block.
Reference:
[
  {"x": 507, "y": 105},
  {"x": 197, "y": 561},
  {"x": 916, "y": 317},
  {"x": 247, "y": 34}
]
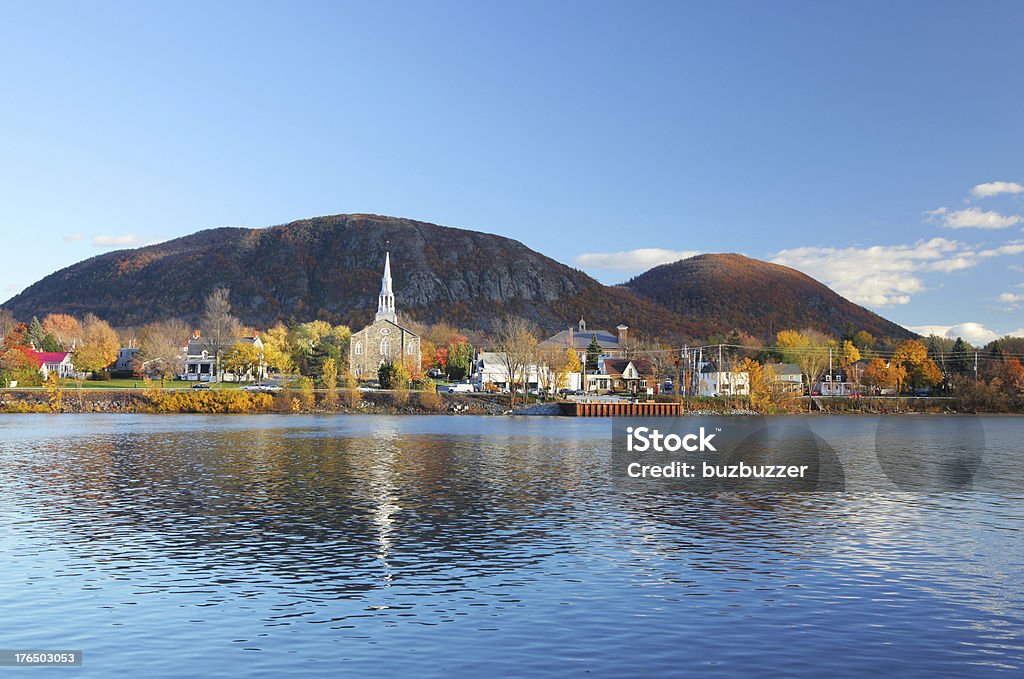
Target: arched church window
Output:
[{"x": 359, "y": 348}]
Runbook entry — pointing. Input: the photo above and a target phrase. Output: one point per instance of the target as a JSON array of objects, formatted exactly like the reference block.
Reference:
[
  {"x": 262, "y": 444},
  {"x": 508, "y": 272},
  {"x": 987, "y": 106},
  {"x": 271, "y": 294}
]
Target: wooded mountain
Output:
[
  {"x": 330, "y": 268},
  {"x": 732, "y": 291}
]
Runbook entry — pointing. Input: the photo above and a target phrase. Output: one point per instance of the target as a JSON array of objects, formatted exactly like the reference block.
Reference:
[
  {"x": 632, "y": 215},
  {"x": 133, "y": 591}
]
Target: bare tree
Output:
[
  {"x": 516, "y": 344},
  {"x": 7, "y": 322},
  {"x": 161, "y": 348},
  {"x": 219, "y": 327},
  {"x": 659, "y": 356}
]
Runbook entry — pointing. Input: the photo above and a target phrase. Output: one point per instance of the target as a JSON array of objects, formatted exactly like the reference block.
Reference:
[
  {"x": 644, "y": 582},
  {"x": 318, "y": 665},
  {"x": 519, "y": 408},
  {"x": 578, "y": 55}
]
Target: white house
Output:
[
  {"x": 201, "y": 360},
  {"x": 713, "y": 381},
  {"x": 490, "y": 369},
  {"x": 786, "y": 378},
  {"x": 54, "y": 361},
  {"x": 126, "y": 359}
]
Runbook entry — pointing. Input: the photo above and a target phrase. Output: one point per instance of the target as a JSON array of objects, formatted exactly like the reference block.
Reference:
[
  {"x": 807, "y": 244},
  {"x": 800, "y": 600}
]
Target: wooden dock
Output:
[{"x": 621, "y": 409}]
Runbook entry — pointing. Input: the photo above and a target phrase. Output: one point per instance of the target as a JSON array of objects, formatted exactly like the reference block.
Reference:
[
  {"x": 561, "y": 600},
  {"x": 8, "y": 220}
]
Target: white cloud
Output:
[
  {"x": 1019, "y": 332},
  {"x": 972, "y": 218},
  {"x": 72, "y": 237},
  {"x": 640, "y": 259},
  {"x": 989, "y": 189},
  {"x": 975, "y": 333},
  {"x": 1011, "y": 297},
  {"x": 125, "y": 241},
  {"x": 886, "y": 275},
  {"x": 881, "y": 275}
]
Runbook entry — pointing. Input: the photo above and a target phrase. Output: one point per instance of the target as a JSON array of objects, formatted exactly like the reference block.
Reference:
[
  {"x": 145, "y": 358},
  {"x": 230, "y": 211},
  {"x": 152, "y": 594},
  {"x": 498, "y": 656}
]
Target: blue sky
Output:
[{"x": 846, "y": 140}]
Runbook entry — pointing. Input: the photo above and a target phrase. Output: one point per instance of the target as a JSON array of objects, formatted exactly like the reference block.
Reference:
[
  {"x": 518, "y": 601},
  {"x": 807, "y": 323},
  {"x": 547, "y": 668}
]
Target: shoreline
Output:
[{"x": 413, "y": 403}]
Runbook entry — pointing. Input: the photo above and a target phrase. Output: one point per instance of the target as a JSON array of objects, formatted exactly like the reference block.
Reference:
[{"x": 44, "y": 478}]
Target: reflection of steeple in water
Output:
[{"x": 384, "y": 497}]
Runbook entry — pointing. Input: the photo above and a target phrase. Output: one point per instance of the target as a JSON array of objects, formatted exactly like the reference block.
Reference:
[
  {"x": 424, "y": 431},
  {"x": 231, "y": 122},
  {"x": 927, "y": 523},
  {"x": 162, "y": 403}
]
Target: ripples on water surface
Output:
[{"x": 442, "y": 546}]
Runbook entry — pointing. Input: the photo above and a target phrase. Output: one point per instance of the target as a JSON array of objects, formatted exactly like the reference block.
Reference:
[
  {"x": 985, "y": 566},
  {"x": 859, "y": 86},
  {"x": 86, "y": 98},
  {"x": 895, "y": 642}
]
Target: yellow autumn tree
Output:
[
  {"x": 242, "y": 359},
  {"x": 277, "y": 350},
  {"x": 919, "y": 371},
  {"x": 99, "y": 346},
  {"x": 760, "y": 381},
  {"x": 329, "y": 375}
]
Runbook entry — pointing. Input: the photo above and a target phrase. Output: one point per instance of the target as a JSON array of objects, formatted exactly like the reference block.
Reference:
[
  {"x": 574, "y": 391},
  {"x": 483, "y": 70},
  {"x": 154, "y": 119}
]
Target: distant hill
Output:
[
  {"x": 732, "y": 291},
  {"x": 330, "y": 268}
]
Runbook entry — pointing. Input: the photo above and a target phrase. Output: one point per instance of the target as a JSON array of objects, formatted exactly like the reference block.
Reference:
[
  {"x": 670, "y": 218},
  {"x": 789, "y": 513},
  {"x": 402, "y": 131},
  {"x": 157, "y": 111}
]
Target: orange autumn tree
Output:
[
  {"x": 919, "y": 371},
  {"x": 877, "y": 375}
]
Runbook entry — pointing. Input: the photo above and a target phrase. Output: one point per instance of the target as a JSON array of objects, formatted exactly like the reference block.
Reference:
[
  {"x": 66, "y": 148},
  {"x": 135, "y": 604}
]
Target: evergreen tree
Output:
[
  {"x": 734, "y": 339},
  {"x": 958, "y": 358},
  {"x": 594, "y": 352},
  {"x": 50, "y": 343},
  {"x": 35, "y": 333}
]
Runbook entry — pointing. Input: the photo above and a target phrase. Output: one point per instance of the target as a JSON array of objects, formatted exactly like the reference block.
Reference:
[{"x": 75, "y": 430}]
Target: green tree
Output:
[
  {"x": 50, "y": 343},
  {"x": 958, "y": 357},
  {"x": 35, "y": 334},
  {"x": 392, "y": 375},
  {"x": 459, "y": 358},
  {"x": 594, "y": 352}
]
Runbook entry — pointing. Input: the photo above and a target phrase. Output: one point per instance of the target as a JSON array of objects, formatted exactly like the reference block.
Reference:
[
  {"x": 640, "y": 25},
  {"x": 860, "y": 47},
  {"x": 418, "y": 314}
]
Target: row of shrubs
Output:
[{"x": 154, "y": 400}]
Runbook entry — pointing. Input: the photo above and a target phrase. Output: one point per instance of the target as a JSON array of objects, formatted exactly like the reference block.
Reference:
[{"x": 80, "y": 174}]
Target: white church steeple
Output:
[{"x": 386, "y": 301}]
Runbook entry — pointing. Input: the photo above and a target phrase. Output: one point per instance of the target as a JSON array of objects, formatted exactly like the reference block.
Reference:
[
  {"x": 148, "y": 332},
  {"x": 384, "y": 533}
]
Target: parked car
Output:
[
  {"x": 457, "y": 388},
  {"x": 200, "y": 385},
  {"x": 435, "y": 373},
  {"x": 263, "y": 388}
]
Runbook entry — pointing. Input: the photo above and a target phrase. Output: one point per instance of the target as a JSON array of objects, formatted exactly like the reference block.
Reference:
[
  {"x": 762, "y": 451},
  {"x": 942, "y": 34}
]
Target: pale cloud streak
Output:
[
  {"x": 126, "y": 241},
  {"x": 72, "y": 237},
  {"x": 887, "y": 275},
  {"x": 638, "y": 260},
  {"x": 989, "y": 189},
  {"x": 972, "y": 218}
]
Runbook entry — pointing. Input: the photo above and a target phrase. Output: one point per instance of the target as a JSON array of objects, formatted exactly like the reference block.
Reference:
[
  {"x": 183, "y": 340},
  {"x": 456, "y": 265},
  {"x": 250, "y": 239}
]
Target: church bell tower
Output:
[{"x": 386, "y": 300}]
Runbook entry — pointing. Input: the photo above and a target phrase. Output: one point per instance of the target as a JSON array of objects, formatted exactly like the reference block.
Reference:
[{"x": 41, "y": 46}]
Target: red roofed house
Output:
[{"x": 48, "y": 361}]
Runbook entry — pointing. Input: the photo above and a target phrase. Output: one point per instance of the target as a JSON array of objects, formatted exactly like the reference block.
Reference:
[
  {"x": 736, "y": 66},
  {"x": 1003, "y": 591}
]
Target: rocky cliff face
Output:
[{"x": 330, "y": 268}]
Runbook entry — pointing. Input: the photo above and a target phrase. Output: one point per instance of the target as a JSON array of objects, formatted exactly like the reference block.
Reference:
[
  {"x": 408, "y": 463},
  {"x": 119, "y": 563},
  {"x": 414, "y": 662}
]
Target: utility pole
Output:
[
  {"x": 720, "y": 369},
  {"x": 678, "y": 361}
]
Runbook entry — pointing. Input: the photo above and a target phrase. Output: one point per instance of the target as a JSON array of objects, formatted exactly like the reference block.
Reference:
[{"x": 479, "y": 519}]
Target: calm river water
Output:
[{"x": 278, "y": 546}]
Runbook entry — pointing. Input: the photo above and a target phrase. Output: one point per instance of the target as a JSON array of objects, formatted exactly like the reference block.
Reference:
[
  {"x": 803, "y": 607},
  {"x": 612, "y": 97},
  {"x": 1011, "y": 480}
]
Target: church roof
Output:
[
  {"x": 375, "y": 324},
  {"x": 582, "y": 340}
]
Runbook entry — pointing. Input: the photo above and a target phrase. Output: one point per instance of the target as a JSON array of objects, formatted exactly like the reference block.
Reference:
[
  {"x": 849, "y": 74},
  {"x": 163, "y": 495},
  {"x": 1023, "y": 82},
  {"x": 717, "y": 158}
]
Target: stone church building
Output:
[{"x": 384, "y": 340}]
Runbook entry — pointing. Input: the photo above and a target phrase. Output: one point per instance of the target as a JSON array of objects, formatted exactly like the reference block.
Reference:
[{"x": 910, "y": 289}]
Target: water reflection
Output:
[{"x": 347, "y": 527}]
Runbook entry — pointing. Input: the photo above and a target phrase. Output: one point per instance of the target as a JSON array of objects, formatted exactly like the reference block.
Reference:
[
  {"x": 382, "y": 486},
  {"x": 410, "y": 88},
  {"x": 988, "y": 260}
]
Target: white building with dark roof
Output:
[{"x": 579, "y": 338}]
